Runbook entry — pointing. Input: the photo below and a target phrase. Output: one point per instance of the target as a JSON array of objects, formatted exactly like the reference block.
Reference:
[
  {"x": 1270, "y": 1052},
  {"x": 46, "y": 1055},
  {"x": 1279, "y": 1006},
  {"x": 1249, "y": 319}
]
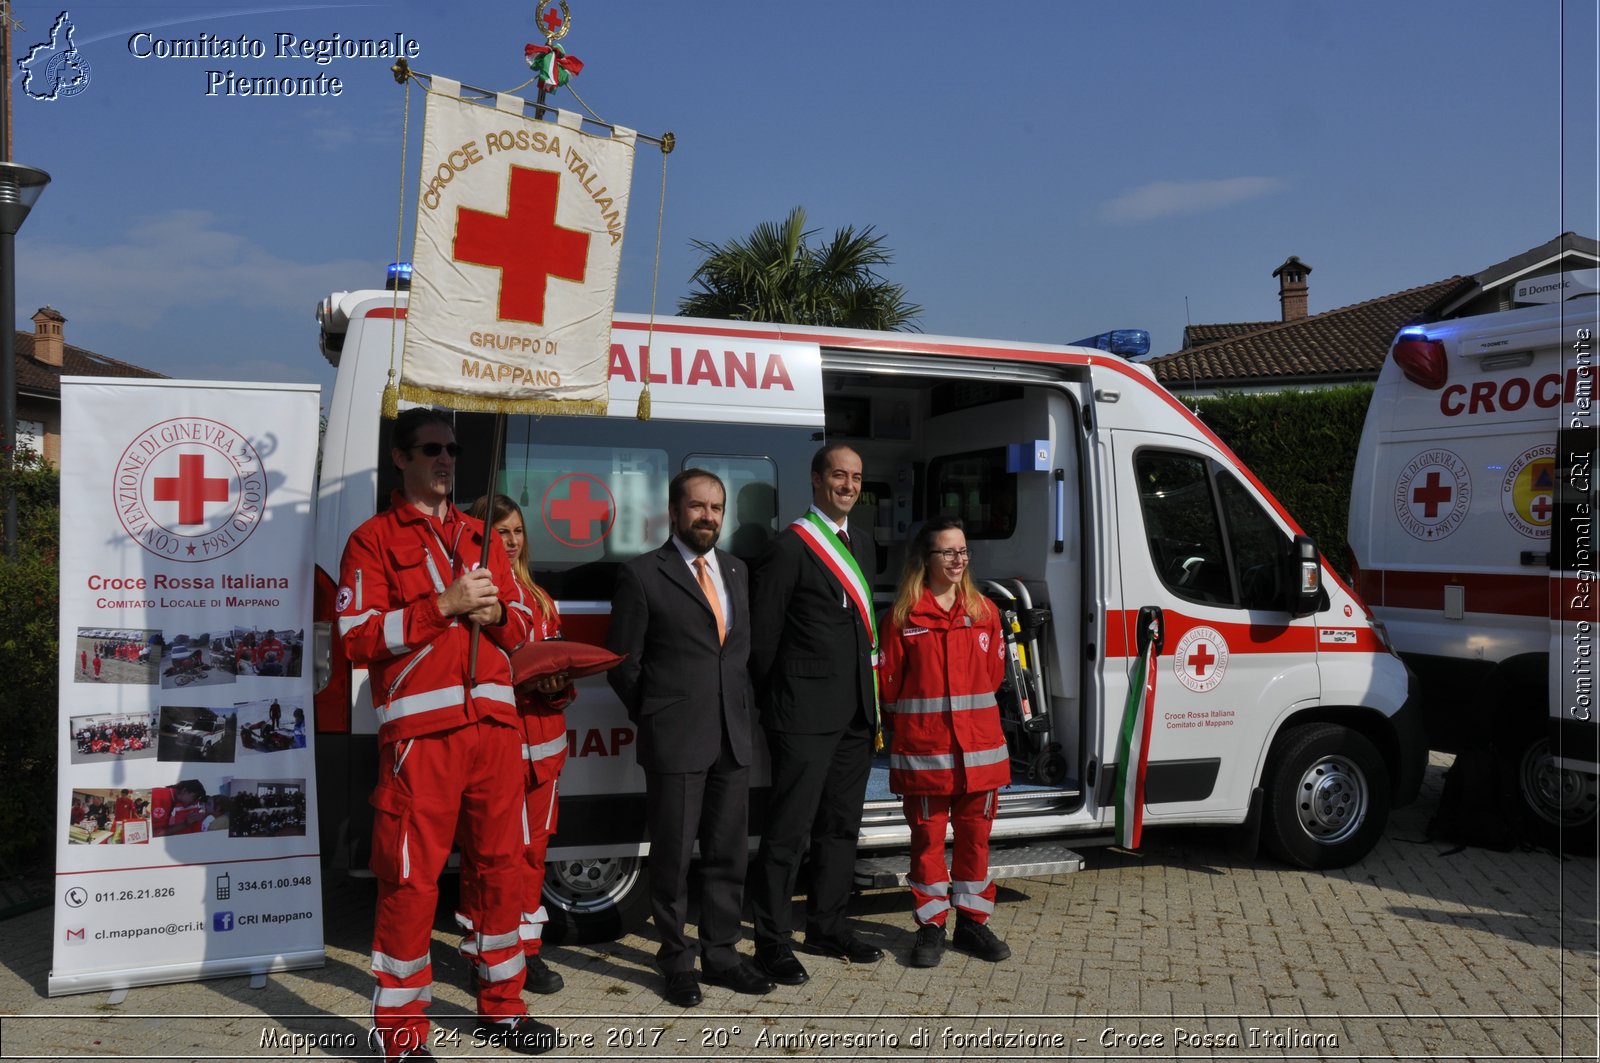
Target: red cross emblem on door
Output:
[
  {"x": 525, "y": 244},
  {"x": 579, "y": 510}
]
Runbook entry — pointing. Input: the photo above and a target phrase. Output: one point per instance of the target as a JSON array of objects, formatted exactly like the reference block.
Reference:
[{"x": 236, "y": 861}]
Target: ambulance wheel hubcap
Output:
[
  {"x": 1332, "y": 800},
  {"x": 591, "y": 885},
  {"x": 1557, "y": 795}
]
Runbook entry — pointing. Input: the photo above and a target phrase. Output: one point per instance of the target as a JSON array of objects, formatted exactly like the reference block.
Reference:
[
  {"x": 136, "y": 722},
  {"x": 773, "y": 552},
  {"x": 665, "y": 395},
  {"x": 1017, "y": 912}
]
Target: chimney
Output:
[
  {"x": 49, "y": 347},
  {"x": 1292, "y": 288}
]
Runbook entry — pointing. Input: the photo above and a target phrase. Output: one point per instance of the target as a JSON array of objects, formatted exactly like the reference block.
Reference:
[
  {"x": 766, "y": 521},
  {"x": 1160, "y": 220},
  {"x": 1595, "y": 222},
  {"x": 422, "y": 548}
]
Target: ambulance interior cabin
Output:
[{"x": 934, "y": 439}]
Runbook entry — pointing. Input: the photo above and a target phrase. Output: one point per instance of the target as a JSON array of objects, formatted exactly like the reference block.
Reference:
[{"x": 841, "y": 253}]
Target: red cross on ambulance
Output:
[{"x": 579, "y": 510}]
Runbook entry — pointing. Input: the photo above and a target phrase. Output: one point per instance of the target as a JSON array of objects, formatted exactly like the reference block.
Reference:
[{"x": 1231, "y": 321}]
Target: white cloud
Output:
[
  {"x": 1162, "y": 199},
  {"x": 180, "y": 259}
]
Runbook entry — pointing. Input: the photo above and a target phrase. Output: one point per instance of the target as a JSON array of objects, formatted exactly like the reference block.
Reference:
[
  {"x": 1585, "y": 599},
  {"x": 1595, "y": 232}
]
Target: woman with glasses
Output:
[
  {"x": 942, "y": 660},
  {"x": 541, "y": 703}
]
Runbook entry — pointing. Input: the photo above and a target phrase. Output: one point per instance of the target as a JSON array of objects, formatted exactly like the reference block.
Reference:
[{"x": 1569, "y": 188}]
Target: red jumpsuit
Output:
[
  {"x": 449, "y": 754},
  {"x": 947, "y": 756},
  {"x": 544, "y": 747}
]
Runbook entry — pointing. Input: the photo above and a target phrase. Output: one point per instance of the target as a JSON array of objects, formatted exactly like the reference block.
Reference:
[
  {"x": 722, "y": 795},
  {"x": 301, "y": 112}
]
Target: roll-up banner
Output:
[{"x": 188, "y": 818}]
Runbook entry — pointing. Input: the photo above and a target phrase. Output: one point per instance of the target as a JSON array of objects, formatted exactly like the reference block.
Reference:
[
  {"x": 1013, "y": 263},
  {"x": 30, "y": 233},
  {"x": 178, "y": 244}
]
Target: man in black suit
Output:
[
  {"x": 681, "y": 614},
  {"x": 812, "y": 662}
]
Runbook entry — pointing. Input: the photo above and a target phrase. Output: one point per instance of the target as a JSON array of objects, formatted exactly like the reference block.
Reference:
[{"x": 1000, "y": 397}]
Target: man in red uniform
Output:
[{"x": 450, "y": 744}]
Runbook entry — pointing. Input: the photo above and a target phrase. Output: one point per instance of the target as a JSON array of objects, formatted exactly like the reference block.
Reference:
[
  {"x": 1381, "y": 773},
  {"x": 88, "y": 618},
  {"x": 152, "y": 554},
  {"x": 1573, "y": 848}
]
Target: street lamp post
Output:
[{"x": 19, "y": 190}]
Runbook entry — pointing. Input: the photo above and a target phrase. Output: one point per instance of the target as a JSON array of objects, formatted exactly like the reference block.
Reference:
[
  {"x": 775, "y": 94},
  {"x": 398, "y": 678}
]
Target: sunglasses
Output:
[{"x": 433, "y": 450}]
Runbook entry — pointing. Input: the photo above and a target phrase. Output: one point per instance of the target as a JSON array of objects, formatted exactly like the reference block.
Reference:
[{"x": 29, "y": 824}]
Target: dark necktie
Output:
[{"x": 844, "y": 537}]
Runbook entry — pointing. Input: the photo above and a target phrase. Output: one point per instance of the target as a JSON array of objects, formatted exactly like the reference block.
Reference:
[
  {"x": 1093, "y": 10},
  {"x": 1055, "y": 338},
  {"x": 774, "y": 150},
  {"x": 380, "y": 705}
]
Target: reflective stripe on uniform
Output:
[
  {"x": 544, "y": 749},
  {"x": 394, "y": 631},
  {"x": 489, "y": 942},
  {"x": 426, "y": 701},
  {"x": 384, "y": 964},
  {"x": 399, "y": 997},
  {"x": 348, "y": 624},
  {"x": 929, "y": 762},
  {"x": 532, "y": 927},
  {"x": 979, "y": 757},
  {"x": 501, "y": 971},
  {"x": 955, "y": 703}
]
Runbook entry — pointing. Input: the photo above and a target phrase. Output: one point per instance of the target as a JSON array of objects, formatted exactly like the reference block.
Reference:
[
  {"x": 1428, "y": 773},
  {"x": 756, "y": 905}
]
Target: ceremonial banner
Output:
[
  {"x": 188, "y": 828},
  {"x": 514, "y": 274}
]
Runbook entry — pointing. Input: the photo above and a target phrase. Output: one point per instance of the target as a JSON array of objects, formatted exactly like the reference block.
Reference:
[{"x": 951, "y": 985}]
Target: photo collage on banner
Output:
[{"x": 189, "y": 841}]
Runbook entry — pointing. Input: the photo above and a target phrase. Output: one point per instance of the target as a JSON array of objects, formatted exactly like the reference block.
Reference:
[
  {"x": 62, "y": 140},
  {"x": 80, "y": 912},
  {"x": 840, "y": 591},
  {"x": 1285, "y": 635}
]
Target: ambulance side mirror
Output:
[{"x": 1303, "y": 576}]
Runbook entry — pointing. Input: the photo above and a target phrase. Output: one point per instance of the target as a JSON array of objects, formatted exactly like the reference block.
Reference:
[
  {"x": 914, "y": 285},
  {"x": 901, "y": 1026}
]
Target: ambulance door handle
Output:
[{"x": 1061, "y": 510}]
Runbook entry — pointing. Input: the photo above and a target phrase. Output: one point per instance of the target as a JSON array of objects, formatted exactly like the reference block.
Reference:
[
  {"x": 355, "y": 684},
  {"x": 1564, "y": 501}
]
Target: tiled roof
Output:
[
  {"x": 40, "y": 379},
  {"x": 1349, "y": 343},
  {"x": 1198, "y": 335}
]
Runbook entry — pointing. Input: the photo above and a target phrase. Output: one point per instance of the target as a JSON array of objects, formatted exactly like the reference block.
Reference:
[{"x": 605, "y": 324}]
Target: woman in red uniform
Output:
[
  {"x": 941, "y": 664},
  {"x": 542, "y": 705}
]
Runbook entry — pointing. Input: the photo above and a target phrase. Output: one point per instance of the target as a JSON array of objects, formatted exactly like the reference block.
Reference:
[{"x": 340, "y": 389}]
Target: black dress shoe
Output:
[
  {"x": 849, "y": 947},
  {"x": 741, "y": 978},
  {"x": 683, "y": 989},
  {"x": 777, "y": 962}
]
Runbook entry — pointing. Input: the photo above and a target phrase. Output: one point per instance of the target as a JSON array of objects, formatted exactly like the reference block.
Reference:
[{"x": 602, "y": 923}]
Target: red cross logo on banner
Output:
[
  {"x": 583, "y": 504},
  {"x": 525, "y": 244},
  {"x": 191, "y": 489}
]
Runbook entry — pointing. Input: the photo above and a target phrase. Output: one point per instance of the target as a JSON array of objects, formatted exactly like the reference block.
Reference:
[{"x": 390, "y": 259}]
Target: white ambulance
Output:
[
  {"x": 1479, "y": 443},
  {"x": 1089, "y": 494}
]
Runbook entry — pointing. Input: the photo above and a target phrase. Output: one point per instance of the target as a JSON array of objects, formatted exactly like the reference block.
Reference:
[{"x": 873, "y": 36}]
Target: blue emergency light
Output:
[
  {"x": 399, "y": 278},
  {"x": 1128, "y": 342}
]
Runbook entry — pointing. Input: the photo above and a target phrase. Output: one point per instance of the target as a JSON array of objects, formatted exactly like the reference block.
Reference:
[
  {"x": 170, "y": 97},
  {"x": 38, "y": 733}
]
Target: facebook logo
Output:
[{"x": 221, "y": 921}]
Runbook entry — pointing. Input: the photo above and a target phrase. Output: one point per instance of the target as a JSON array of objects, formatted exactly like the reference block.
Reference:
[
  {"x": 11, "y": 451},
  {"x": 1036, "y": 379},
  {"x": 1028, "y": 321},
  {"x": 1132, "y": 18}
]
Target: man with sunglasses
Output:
[{"x": 412, "y": 600}]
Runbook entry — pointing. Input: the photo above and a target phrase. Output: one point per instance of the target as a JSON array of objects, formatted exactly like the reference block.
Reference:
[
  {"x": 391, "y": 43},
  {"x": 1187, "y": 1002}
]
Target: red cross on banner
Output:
[
  {"x": 524, "y": 243},
  {"x": 518, "y": 247},
  {"x": 191, "y": 489}
]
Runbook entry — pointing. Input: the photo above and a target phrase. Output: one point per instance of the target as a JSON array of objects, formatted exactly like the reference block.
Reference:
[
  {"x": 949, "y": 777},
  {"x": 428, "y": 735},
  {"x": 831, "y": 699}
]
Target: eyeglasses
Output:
[
  {"x": 433, "y": 450},
  {"x": 950, "y": 555}
]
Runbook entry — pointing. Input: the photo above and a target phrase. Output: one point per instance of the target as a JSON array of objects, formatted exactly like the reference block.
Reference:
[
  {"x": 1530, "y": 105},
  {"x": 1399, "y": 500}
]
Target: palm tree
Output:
[{"x": 776, "y": 275}]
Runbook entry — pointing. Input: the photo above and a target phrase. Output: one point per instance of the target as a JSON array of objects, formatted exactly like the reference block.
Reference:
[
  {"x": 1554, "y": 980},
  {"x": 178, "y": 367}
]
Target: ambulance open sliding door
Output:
[{"x": 1199, "y": 544}]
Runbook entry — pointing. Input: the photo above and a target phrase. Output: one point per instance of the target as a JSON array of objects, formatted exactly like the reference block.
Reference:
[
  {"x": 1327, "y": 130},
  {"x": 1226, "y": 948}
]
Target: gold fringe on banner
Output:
[{"x": 455, "y": 400}]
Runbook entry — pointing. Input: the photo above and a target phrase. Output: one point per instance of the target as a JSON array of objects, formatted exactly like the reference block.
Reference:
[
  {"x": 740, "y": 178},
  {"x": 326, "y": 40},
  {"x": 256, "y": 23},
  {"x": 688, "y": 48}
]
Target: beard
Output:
[{"x": 699, "y": 537}]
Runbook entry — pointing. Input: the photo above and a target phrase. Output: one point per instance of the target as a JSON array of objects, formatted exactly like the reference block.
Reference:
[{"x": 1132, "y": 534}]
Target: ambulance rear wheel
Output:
[
  {"x": 595, "y": 900},
  {"x": 1327, "y": 792},
  {"x": 1559, "y": 804}
]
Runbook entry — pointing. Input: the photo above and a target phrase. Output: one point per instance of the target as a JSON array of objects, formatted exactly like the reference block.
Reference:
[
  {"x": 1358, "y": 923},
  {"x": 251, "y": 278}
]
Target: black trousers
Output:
[
  {"x": 713, "y": 806},
  {"x": 819, "y": 784}
]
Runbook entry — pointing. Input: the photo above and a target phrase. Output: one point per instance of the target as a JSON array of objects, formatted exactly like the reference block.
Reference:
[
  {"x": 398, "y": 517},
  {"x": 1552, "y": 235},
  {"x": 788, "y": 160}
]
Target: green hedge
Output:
[
  {"x": 1302, "y": 445},
  {"x": 29, "y": 717}
]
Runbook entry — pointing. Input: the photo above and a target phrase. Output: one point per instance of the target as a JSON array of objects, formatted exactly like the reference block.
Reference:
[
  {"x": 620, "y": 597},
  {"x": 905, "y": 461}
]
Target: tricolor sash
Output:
[
  {"x": 1133, "y": 745},
  {"x": 823, "y": 541}
]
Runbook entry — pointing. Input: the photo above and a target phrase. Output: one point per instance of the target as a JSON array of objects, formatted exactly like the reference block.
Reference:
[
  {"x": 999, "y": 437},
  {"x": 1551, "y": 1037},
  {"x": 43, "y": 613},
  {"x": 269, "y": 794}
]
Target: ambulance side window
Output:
[
  {"x": 750, "y": 517},
  {"x": 1256, "y": 542},
  {"x": 1182, "y": 526}
]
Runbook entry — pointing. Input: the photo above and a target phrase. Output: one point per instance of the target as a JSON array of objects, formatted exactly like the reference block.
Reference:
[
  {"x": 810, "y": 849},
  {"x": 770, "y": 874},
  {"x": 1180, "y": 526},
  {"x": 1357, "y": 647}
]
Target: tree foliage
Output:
[
  {"x": 30, "y": 589},
  {"x": 778, "y": 274},
  {"x": 1302, "y": 445}
]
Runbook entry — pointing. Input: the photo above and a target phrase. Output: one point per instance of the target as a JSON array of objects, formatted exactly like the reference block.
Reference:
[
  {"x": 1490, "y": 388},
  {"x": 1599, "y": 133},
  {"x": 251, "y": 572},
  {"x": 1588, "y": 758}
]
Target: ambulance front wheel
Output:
[
  {"x": 599, "y": 899},
  {"x": 1327, "y": 797}
]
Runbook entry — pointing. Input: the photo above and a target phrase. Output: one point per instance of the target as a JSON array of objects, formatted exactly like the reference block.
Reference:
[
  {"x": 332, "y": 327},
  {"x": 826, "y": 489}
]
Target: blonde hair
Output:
[
  {"x": 914, "y": 580},
  {"x": 503, "y": 507}
]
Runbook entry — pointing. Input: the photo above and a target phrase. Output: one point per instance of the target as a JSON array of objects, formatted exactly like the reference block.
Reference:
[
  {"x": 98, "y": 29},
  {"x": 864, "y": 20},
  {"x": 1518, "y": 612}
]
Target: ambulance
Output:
[
  {"x": 1472, "y": 537},
  {"x": 1094, "y": 503}
]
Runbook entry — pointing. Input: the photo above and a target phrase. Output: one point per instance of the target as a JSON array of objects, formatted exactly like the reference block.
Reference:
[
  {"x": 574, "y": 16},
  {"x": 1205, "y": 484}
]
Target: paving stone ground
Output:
[{"x": 1422, "y": 951}]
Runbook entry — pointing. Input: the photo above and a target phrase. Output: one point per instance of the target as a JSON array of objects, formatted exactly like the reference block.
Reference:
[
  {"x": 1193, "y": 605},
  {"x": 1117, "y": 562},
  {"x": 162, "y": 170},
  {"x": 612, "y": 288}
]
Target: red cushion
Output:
[{"x": 557, "y": 656}]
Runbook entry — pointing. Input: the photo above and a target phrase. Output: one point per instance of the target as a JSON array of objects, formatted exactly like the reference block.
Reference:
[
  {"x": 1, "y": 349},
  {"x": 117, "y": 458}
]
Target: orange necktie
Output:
[{"x": 709, "y": 589}]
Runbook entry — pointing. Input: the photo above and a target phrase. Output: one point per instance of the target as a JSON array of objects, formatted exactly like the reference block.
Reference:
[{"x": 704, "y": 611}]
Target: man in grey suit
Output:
[{"x": 682, "y": 615}]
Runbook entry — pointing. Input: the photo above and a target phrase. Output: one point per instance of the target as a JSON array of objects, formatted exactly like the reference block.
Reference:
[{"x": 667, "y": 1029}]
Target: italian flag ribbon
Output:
[
  {"x": 820, "y": 536},
  {"x": 1133, "y": 745},
  {"x": 553, "y": 65}
]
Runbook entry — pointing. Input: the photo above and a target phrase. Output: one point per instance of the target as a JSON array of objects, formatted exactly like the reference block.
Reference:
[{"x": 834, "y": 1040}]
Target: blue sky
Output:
[{"x": 1042, "y": 170}]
